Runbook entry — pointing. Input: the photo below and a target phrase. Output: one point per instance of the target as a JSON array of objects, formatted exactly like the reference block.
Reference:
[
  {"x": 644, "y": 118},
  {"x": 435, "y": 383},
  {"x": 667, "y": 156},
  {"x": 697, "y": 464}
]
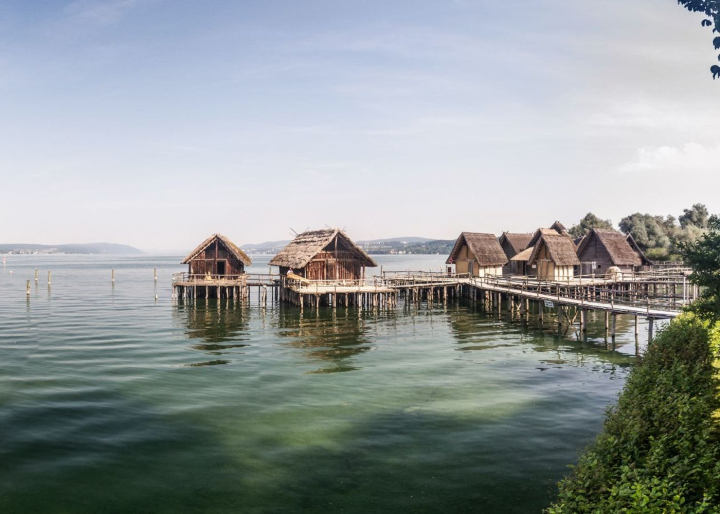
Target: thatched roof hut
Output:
[
  {"x": 555, "y": 228},
  {"x": 609, "y": 247},
  {"x": 560, "y": 250},
  {"x": 517, "y": 242},
  {"x": 484, "y": 247},
  {"x": 326, "y": 254},
  {"x": 217, "y": 255}
]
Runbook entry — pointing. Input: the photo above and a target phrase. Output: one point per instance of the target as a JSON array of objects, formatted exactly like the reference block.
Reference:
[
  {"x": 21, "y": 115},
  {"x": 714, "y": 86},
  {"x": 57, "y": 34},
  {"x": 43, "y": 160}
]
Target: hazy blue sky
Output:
[{"x": 158, "y": 122}]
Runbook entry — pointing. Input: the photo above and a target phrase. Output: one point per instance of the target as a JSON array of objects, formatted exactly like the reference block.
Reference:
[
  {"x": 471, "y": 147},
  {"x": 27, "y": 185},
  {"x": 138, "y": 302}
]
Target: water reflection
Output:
[
  {"x": 220, "y": 329},
  {"x": 329, "y": 336}
]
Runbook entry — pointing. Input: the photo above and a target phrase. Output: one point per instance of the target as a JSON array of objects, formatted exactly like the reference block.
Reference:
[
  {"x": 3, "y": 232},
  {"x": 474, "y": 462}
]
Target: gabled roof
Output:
[
  {"x": 307, "y": 245},
  {"x": 540, "y": 232},
  {"x": 559, "y": 227},
  {"x": 485, "y": 248},
  {"x": 617, "y": 246},
  {"x": 232, "y": 247},
  {"x": 518, "y": 242},
  {"x": 560, "y": 248},
  {"x": 523, "y": 256}
]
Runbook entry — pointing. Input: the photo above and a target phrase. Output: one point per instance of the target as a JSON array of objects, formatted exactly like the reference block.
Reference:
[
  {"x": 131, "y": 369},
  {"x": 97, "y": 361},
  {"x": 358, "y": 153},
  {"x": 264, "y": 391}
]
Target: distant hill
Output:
[
  {"x": 394, "y": 245},
  {"x": 86, "y": 249}
]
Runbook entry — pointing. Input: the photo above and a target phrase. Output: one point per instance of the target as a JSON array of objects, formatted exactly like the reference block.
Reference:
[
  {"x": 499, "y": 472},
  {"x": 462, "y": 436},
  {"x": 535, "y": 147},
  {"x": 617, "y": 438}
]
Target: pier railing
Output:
[{"x": 208, "y": 279}]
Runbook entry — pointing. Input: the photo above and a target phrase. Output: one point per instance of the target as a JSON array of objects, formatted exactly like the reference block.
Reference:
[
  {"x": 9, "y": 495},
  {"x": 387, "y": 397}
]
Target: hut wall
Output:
[
  {"x": 511, "y": 268},
  {"x": 335, "y": 262},
  {"x": 595, "y": 251},
  {"x": 461, "y": 263},
  {"x": 207, "y": 261},
  {"x": 489, "y": 271}
]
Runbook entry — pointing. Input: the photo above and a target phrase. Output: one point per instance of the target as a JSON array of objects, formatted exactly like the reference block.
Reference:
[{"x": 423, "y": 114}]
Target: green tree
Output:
[
  {"x": 711, "y": 9},
  {"x": 697, "y": 216},
  {"x": 589, "y": 222},
  {"x": 703, "y": 256},
  {"x": 650, "y": 233}
]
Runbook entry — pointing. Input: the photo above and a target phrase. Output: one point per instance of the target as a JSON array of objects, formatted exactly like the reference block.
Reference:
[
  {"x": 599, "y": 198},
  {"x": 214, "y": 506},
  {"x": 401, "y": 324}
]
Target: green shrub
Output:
[{"x": 660, "y": 448}]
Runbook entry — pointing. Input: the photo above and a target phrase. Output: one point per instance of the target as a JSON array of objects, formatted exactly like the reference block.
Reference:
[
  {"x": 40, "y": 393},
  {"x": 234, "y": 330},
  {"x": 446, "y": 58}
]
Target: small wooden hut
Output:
[
  {"x": 601, "y": 249},
  {"x": 327, "y": 254},
  {"x": 553, "y": 257},
  {"x": 216, "y": 257},
  {"x": 478, "y": 255},
  {"x": 512, "y": 244}
]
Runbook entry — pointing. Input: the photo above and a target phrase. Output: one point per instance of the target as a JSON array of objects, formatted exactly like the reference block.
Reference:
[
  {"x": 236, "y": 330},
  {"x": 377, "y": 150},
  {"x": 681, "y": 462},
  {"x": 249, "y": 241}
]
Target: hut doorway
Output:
[{"x": 221, "y": 267}]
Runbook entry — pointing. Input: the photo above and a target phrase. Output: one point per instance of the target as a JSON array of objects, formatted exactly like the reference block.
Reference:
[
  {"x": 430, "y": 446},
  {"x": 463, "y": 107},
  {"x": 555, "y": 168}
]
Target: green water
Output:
[{"x": 113, "y": 401}]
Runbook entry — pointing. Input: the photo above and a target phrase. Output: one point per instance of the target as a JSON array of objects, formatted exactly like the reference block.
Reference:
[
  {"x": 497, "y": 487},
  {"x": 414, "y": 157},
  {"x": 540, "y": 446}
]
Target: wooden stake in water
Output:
[
  {"x": 49, "y": 277},
  {"x": 36, "y": 275},
  {"x": 28, "y": 288},
  {"x": 113, "y": 276},
  {"x": 155, "y": 273}
]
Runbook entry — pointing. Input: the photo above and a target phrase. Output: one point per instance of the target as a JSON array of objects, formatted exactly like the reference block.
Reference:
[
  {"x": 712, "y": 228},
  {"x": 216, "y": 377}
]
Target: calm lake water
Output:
[{"x": 113, "y": 401}]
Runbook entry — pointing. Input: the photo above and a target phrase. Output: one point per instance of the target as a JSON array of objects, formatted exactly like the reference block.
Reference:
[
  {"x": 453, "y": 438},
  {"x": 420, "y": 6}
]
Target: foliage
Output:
[
  {"x": 589, "y": 222},
  {"x": 661, "y": 238},
  {"x": 660, "y": 447},
  {"x": 698, "y": 216},
  {"x": 703, "y": 256},
  {"x": 711, "y": 9}
]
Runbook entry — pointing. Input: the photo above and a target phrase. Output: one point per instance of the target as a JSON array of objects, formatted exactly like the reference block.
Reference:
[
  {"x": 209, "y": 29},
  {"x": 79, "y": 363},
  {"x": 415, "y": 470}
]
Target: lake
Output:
[{"x": 114, "y": 401}]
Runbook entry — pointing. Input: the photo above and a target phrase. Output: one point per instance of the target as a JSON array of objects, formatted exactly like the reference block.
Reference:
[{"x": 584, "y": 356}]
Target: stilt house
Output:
[
  {"x": 478, "y": 255},
  {"x": 327, "y": 254},
  {"x": 553, "y": 257},
  {"x": 601, "y": 249},
  {"x": 217, "y": 256},
  {"x": 521, "y": 260},
  {"x": 512, "y": 244}
]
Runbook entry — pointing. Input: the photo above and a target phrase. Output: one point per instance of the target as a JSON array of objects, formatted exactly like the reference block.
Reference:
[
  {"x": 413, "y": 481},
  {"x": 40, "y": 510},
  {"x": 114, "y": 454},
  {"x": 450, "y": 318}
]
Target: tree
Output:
[
  {"x": 703, "y": 256},
  {"x": 589, "y": 222},
  {"x": 650, "y": 233},
  {"x": 696, "y": 216},
  {"x": 711, "y": 9}
]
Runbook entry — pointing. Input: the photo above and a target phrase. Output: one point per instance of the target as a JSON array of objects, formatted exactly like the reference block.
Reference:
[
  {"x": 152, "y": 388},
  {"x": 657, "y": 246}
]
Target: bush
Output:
[{"x": 660, "y": 448}]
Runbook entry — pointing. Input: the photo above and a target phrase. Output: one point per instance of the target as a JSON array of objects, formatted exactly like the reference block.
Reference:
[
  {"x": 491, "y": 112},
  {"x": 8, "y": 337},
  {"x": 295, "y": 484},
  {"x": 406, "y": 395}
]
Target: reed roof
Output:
[
  {"x": 517, "y": 241},
  {"x": 523, "y": 256},
  {"x": 617, "y": 246},
  {"x": 560, "y": 248},
  {"x": 307, "y": 245},
  {"x": 485, "y": 247},
  {"x": 232, "y": 247}
]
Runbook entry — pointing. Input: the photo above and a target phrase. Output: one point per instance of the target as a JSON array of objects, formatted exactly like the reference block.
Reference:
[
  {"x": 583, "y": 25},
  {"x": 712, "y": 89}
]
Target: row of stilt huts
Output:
[{"x": 327, "y": 266}]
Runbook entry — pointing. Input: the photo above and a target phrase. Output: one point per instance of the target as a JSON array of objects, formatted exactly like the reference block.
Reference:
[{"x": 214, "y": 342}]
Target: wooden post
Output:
[
  {"x": 36, "y": 275},
  {"x": 28, "y": 289},
  {"x": 650, "y": 330},
  {"x": 637, "y": 327},
  {"x": 607, "y": 320},
  {"x": 155, "y": 274},
  {"x": 113, "y": 276},
  {"x": 541, "y": 310},
  {"x": 614, "y": 324},
  {"x": 49, "y": 277},
  {"x": 583, "y": 320}
]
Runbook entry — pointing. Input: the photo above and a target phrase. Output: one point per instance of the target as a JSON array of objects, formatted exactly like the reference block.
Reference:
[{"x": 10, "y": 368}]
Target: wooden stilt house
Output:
[
  {"x": 327, "y": 254},
  {"x": 553, "y": 257},
  {"x": 478, "y": 255},
  {"x": 216, "y": 257},
  {"x": 602, "y": 249},
  {"x": 512, "y": 244}
]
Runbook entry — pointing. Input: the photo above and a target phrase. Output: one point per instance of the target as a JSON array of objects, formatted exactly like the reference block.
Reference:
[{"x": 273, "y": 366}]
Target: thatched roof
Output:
[
  {"x": 616, "y": 244},
  {"x": 636, "y": 248},
  {"x": 560, "y": 249},
  {"x": 307, "y": 245},
  {"x": 541, "y": 232},
  {"x": 523, "y": 256},
  {"x": 485, "y": 248},
  {"x": 232, "y": 247},
  {"x": 559, "y": 227},
  {"x": 518, "y": 242}
]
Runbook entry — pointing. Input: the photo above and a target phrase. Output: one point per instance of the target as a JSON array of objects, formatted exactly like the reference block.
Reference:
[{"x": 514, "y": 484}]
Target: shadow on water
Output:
[
  {"x": 329, "y": 336},
  {"x": 220, "y": 329}
]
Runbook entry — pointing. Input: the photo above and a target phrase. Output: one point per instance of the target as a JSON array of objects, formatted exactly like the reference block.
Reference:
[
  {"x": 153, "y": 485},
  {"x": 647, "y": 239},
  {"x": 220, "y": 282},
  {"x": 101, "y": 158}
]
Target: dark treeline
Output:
[{"x": 660, "y": 237}]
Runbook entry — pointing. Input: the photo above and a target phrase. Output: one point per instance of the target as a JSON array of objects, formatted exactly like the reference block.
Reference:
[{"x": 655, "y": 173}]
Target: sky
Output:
[{"x": 156, "y": 123}]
